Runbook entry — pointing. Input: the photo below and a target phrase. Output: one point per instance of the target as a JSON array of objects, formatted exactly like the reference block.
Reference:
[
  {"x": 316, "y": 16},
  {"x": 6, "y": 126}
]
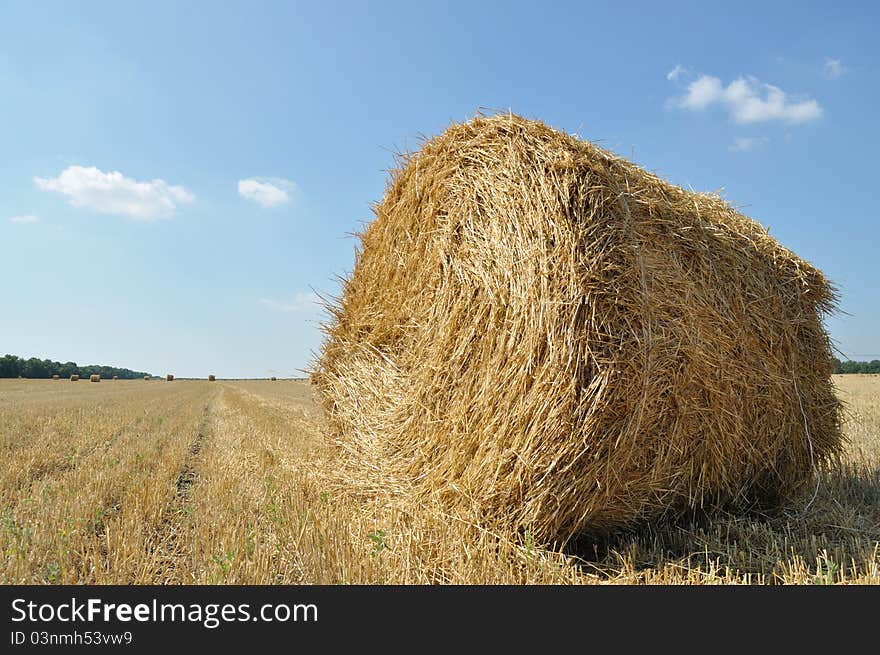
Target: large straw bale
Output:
[{"x": 541, "y": 331}]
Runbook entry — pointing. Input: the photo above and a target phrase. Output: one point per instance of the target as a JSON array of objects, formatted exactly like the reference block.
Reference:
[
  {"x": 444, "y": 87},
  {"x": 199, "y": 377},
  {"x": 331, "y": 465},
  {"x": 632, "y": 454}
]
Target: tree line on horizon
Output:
[
  {"x": 850, "y": 366},
  {"x": 35, "y": 368}
]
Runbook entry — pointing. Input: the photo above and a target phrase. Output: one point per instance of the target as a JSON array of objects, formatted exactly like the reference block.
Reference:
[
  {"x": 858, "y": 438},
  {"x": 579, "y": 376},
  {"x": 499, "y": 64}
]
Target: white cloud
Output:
[
  {"x": 675, "y": 73},
  {"x": 26, "y": 219},
  {"x": 746, "y": 143},
  {"x": 747, "y": 101},
  {"x": 833, "y": 68},
  {"x": 301, "y": 302},
  {"x": 702, "y": 92},
  {"x": 267, "y": 191},
  {"x": 113, "y": 193}
]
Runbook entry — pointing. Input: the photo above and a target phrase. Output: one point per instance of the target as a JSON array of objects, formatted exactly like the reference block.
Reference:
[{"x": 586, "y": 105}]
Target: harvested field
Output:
[{"x": 203, "y": 482}]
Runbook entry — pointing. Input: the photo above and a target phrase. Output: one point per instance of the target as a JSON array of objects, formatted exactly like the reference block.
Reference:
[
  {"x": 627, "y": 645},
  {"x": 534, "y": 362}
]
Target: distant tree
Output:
[
  {"x": 36, "y": 368},
  {"x": 10, "y": 366}
]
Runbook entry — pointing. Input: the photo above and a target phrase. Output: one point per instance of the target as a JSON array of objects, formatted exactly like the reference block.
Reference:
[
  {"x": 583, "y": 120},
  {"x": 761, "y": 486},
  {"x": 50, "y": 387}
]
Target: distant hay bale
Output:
[
  {"x": 148, "y": 377},
  {"x": 211, "y": 378},
  {"x": 94, "y": 377},
  {"x": 169, "y": 378},
  {"x": 543, "y": 332},
  {"x": 115, "y": 377},
  {"x": 74, "y": 378},
  {"x": 56, "y": 377}
]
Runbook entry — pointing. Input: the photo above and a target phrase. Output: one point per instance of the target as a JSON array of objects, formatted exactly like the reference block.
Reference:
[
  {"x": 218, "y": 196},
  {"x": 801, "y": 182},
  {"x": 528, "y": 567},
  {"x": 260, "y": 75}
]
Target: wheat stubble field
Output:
[{"x": 131, "y": 482}]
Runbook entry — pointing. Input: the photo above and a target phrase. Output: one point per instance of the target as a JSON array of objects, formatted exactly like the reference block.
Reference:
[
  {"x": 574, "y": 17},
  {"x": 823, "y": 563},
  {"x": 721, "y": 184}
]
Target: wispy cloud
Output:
[
  {"x": 301, "y": 302},
  {"x": 747, "y": 100},
  {"x": 113, "y": 193},
  {"x": 675, "y": 73},
  {"x": 267, "y": 191},
  {"x": 26, "y": 219},
  {"x": 746, "y": 143},
  {"x": 833, "y": 68}
]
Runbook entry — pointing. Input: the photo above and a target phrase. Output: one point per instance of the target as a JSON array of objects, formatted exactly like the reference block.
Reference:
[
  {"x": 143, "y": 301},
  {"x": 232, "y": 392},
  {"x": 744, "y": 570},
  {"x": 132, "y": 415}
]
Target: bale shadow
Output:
[{"x": 837, "y": 532}]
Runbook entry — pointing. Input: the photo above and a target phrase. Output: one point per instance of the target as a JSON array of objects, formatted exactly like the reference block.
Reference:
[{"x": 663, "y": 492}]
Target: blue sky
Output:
[{"x": 176, "y": 179}]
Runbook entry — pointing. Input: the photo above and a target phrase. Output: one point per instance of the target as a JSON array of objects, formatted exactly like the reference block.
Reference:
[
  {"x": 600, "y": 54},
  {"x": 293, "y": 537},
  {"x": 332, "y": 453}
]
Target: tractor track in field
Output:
[
  {"x": 99, "y": 527},
  {"x": 188, "y": 473},
  {"x": 167, "y": 548}
]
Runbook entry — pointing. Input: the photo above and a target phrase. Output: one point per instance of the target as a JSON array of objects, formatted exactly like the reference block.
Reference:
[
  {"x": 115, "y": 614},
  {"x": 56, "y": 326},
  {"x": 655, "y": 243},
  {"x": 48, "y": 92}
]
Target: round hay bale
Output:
[
  {"x": 211, "y": 378},
  {"x": 115, "y": 377},
  {"x": 543, "y": 332},
  {"x": 169, "y": 378},
  {"x": 74, "y": 378},
  {"x": 148, "y": 377},
  {"x": 94, "y": 377},
  {"x": 56, "y": 377}
]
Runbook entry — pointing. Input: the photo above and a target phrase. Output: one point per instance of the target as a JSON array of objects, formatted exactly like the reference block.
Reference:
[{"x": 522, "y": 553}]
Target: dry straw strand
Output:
[{"x": 547, "y": 337}]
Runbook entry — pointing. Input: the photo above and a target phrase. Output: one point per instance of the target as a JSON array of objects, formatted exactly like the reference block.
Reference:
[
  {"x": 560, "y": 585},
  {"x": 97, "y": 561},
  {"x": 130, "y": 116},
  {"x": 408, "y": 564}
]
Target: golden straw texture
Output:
[{"x": 543, "y": 333}]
